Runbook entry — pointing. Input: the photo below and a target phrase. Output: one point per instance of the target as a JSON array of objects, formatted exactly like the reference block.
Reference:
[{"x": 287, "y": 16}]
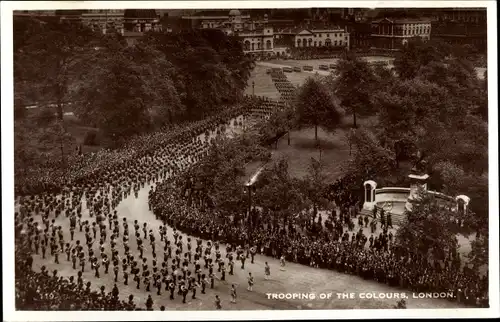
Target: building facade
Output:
[
  {"x": 136, "y": 22},
  {"x": 321, "y": 37},
  {"x": 460, "y": 26},
  {"x": 393, "y": 34},
  {"x": 212, "y": 18},
  {"x": 257, "y": 40},
  {"x": 360, "y": 35},
  {"x": 105, "y": 21},
  {"x": 34, "y": 13},
  {"x": 141, "y": 20}
]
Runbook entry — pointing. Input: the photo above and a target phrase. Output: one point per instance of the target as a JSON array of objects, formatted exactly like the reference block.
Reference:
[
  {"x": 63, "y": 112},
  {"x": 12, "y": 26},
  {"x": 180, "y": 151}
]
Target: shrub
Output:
[{"x": 91, "y": 138}]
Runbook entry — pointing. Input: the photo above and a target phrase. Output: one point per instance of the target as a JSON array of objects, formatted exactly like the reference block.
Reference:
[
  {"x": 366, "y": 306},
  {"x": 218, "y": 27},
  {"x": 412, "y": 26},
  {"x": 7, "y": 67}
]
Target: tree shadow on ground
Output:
[{"x": 308, "y": 144}]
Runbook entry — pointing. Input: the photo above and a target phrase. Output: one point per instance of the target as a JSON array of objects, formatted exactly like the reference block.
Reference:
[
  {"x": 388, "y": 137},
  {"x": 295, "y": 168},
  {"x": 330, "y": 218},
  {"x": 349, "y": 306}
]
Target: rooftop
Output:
[
  {"x": 404, "y": 20},
  {"x": 140, "y": 13}
]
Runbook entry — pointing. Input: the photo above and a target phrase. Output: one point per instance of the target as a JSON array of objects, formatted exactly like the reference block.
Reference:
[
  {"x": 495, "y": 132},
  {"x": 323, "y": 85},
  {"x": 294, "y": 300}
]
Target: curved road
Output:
[{"x": 295, "y": 279}]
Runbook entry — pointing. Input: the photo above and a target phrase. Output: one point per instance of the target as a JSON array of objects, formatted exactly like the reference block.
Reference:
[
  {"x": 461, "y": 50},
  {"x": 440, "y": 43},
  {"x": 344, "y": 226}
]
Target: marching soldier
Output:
[
  {"x": 253, "y": 251},
  {"x": 223, "y": 272},
  {"x": 184, "y": 291},
  {"x": 149, "y": 303},
  {"x": 203, "y": 283},
  {"x": 194, "y": 286},
  {"x": 212, "y": 280},
  {"x": 231, "y": 266},
  {"x": 171, "y": 287},
  {"x": 115, "y": 270},
  {"x": 105, "y": 263},
  {"x": 233, "y": 294},
  {"x": 218, "y": 305},
  {"x": 250, "y": 282},
  {"x": 267, "y": 271}
]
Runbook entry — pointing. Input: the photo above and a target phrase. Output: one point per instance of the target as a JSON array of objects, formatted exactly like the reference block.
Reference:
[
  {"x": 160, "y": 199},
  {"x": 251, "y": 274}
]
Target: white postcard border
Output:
[{"x": 8, "y": 169}]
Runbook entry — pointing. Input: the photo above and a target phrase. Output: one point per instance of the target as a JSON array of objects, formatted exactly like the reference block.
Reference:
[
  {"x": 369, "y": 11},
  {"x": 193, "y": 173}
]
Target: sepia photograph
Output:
[{"x": 213, "y": 158}]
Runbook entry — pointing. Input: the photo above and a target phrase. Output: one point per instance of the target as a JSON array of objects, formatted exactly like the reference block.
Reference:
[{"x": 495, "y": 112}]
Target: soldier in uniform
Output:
[
  {"x": 231, "y": 265},
  {"x": 193, "y": 286},
  {"x": 267, "y": 271},
  {"x": 149, "y": 303},
  {"x": 242, "y": 258},
  {"x": 184, "y": 292},
  {"x": 253, "y": 251},
  {"x": 282, "y": 263},
  {"x": 218, "y": 305},
  {"x": 95, "y": 266},
  {"x": 203, "y": 283},
  {"x": 105, "y": 263},
  {"x": 233, "y": 294},
  {"x": 171, "y": 287},
  {"x": 223, "y": 272},
  {"x": 250, "y": 282},
  {"x": 115, "y": 270},
  {"x": 212, "y": 280}
]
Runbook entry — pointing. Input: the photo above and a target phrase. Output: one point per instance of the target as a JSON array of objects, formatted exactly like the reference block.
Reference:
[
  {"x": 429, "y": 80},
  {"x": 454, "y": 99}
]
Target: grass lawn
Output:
[
  {"x": 334, "y": 151},
  {"x": 334, "y": 148},
  {"x": 78, "y": 131}
]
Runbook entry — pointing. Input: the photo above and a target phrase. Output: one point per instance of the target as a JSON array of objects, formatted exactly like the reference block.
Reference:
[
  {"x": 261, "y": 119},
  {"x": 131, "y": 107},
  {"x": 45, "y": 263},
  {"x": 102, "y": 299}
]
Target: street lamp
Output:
[
  {"x": 251, "y": 188},
  {"x": 253, "y": 88}
]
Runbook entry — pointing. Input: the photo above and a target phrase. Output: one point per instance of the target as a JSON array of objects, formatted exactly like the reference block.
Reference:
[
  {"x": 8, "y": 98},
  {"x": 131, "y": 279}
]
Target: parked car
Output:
[
  {"x": 323, "y": 67},
  {"x": 333, "y": 66},
  {"x": 287, "y": 69},
  {"x": 268, "y": 71},
  {"x": 308, "y": 68},
  {"x": 297, "y": 69}
]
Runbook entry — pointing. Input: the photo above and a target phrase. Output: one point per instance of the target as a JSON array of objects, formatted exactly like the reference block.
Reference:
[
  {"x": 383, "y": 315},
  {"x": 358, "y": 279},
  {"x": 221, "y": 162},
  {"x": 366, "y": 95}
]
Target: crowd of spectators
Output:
[{"x": 55, "y": 217}]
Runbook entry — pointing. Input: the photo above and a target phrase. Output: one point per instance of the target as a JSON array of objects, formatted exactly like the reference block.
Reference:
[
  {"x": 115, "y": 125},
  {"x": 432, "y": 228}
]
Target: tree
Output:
[
  {"x": 315, "y": 106},
  {"x": 428, "y": 117},
  {"x": 127, "y": 90},
  {"x": 427, "y": 229},
  {"x": 354, "y": 85},
  {"x": 479, "y": 255},
  {"x": 279, "y": 123},
  {"x": 370, "y": 160},
  {"x": 115, "y": 99},
  {"x": 278, "y": 192},
  {"x": 53, "y": 54},
  {"x": 42, "y": 147},
  {"x": 219, "y": 175},
  {"x": 315, "y": 184},
  {"x": 417, "y": 53},
  {"x": 204, "y": 87}
]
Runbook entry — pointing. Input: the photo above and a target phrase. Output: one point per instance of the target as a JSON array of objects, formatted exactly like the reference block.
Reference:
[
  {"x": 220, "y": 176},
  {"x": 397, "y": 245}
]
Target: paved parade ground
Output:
[{"x": 265, "y": 87}]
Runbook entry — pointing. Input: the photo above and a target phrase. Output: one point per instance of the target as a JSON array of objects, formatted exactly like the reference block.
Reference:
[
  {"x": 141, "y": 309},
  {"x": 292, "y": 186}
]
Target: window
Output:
[
  {"x": 327, "y": 35},
  {"x": 335, "y": 35},
  {"x": 314, "y": 44},
  {"x": 335, "y": 43},
  {"x": 320, "y": 44},
  {"x": 340, "y": 42}
]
